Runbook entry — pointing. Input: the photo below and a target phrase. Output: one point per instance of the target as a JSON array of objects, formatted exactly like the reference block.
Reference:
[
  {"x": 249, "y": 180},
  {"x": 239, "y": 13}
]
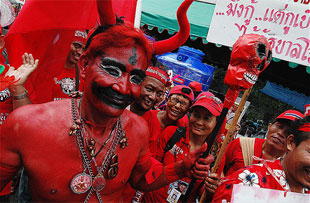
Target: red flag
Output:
[
  {"x": 126, "y": 8},
  {"x": 45, "y": 29}
]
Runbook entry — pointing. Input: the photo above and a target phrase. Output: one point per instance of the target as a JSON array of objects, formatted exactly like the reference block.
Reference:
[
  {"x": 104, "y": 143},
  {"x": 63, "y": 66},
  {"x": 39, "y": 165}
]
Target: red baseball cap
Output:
[
  {"x": 195, "y": 86},
  {"x": 80, "y": 36},
  {"x": 207, "y": 94},
  {"x": 212, "y": 103},
  {"x": 183, "y": 90},
  {"x": 291, "y": 115}
]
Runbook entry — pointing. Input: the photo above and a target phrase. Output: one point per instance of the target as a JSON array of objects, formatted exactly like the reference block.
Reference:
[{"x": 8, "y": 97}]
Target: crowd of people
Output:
[{"x": 99, "y": 137}]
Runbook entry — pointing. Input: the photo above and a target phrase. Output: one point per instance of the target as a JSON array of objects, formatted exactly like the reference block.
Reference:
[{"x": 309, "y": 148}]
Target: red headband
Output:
[
  {"x": 157, "y": 73},
  {"x": 305, "y": 127}
]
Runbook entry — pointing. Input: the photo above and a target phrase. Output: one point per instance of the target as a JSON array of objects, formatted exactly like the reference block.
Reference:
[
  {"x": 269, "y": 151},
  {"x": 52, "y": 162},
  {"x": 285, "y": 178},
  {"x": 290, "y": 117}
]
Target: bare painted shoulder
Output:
[
  {"x": 38, "y": 114},
  {"x": 138, "y": 123}
]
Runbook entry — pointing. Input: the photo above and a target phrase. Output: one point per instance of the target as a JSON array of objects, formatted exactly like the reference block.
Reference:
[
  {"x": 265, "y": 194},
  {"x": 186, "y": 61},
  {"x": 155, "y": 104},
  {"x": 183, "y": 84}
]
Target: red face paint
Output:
[
  {"x": 112, "y": 81},
  {"x": 250, "y": 56}
]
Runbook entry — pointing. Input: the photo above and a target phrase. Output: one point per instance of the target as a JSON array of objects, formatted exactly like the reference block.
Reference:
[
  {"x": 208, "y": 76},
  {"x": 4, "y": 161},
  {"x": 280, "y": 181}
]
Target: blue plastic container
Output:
[{"x": 187, "y": 63}]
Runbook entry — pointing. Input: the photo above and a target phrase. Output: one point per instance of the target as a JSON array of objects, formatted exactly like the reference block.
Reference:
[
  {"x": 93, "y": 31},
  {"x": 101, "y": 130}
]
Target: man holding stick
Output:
[
  {"x": 240, "y": 152},
  {"x": 291, "y": 174}
]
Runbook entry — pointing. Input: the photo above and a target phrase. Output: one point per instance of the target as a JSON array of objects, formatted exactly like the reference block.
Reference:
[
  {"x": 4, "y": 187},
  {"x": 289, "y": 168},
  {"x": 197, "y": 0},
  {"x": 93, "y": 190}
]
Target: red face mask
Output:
[
  {"x": 113, "y": 81},
  {"x": 250, "y": 56}
]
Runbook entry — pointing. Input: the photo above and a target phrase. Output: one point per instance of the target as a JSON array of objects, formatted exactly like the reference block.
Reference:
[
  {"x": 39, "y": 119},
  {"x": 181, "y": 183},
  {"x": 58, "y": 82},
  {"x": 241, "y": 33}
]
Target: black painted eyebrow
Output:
[
  {"x": 138, "y": 72},
  {"x": 111, "y": 62}
]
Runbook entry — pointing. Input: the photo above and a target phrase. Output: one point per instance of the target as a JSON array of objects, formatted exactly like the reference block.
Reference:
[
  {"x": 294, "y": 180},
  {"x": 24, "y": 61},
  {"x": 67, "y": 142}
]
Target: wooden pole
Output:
[{"x": 228, "y": 137}]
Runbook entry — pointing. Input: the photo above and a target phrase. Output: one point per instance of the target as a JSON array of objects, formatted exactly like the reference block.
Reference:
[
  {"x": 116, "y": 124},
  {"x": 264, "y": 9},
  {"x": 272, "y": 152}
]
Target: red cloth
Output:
[
  {"x": 185, "y": 120},
  {"x": 6, "y": 108},
  {"x": 125, "y": 8},
  {"x": 233, "y": 158},
  {"x": 155, "y": 130},
  {"x": 253, "y": 175},
  {"x": 177, "y": 153},
  {"x": 7, "y": 189},
  {"x": 45, "y": 29}
]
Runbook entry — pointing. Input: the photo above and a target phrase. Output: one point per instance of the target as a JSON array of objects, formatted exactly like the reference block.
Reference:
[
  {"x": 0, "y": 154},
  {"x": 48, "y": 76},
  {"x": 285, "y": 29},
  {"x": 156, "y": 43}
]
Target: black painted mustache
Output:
[{"x": 111, "y": 97}]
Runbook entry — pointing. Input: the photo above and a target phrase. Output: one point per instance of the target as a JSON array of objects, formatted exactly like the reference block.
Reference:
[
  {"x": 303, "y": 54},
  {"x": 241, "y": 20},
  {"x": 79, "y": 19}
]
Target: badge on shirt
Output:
[
  {"x": 176, "y": 190},
  {"x": 174, "y": 196}
]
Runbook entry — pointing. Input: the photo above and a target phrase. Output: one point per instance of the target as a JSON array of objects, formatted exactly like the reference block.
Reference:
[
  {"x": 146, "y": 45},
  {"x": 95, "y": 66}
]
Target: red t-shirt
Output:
[
  {"x": 54, "y": 88},
  {"x": 176, "y": 153},
  {"x": 155, "y": 130},
  {"x": 64, "y": 84},
  {"x": 6, "y": 108},
  {"x": 233, "y": 158},
  {"x": 260, "y": 175}
]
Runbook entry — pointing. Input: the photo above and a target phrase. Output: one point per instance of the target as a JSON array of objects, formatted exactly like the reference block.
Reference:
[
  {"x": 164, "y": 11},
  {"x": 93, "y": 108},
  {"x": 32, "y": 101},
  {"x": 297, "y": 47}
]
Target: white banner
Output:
[
  {"x": 285, "y": 23},
  {"x": 245, "y": 194}
]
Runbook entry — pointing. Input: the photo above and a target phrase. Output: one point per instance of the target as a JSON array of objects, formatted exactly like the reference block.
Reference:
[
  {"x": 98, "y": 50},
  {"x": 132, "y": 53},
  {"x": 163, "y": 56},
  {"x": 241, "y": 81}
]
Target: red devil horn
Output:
[
  {"x": 180, "y": 38},
  {"x": 105, "y": 11}
]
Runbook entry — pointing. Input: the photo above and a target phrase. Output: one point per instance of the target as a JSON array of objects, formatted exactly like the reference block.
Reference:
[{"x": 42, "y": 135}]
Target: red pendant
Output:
[
  {"x": 98, "y": 182},
  {"x": 81, "y": 183}
]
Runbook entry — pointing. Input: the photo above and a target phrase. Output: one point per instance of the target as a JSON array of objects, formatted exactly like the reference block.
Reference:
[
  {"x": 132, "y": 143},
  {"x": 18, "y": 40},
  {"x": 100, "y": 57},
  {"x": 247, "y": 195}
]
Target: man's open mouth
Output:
[{"x": 111, "y": 97}]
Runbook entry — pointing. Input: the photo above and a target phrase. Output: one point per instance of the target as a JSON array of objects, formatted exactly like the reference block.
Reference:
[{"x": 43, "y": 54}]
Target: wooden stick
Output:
[{"x": 228, "y": 137}]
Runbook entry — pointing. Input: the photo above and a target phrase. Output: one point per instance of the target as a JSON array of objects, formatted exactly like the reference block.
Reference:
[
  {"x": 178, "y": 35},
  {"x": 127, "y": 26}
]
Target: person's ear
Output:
[
  {"x": 290, "y": 143},
  {"x": 83, "y": 64},
  {"x": 269, "y": 126}
]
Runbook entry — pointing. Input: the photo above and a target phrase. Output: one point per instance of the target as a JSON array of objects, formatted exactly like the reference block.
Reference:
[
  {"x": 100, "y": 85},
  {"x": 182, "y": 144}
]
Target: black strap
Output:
[
  {"x": 178, "y": 134},
  {"x": 77, "y": 78},
  {"x": 188, "y": 116}
]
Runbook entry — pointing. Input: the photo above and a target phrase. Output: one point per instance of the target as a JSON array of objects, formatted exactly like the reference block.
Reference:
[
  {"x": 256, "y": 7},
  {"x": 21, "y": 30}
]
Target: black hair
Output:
[
  {"x": 101, "y": 29},
  {"x": 299, "y": 136},
  {"x": 196, "y": 93},
  {"x": 186, "y": 90},
  {"x": 156, "y": 63}
]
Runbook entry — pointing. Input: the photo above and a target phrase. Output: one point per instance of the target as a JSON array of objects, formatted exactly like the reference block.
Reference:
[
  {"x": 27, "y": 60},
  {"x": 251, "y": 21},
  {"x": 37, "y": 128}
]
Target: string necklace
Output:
[{"x": 91, "y": 141}]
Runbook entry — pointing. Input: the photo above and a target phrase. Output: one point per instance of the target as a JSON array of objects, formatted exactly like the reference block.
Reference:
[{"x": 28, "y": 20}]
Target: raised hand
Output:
[
  {"x": 195, "y": 166},
  {"x": 22, "y": 73}
]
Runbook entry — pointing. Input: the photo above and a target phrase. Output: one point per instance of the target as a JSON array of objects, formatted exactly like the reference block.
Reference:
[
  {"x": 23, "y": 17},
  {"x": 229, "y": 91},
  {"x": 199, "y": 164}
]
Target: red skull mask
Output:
[{"x": 251, "y": 54}]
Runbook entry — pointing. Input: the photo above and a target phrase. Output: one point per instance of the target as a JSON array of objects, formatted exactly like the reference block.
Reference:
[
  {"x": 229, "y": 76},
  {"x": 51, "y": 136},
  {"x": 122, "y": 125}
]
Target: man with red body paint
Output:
[
  {"x": 271, "y": 148},
  {"x": 79, "y": 167}
]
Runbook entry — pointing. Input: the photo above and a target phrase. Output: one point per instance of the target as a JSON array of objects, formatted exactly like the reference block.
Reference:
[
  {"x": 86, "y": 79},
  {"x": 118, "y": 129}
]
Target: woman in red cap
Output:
[{"x": 204, "y": 114}]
